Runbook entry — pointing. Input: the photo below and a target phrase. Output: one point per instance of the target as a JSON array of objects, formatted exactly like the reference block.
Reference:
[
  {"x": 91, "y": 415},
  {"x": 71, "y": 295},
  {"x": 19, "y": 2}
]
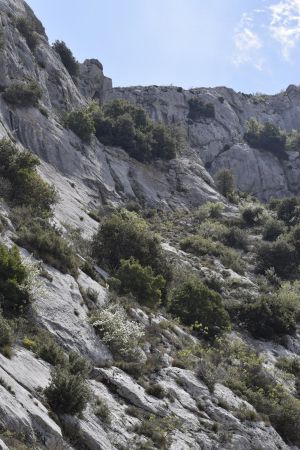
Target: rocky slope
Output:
[{"x": 87, "y": 176}]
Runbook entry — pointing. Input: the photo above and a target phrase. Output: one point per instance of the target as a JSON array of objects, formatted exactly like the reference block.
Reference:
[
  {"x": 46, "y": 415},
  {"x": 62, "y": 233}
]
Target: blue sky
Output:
[{"x": 249, "y": 45}]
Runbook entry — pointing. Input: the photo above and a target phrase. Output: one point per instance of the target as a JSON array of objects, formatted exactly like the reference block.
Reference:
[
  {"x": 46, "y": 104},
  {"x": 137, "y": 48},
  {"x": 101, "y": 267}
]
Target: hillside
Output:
[{"x": 149, "y": 298}]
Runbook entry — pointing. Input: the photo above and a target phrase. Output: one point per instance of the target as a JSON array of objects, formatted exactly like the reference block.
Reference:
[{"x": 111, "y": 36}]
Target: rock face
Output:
[{"x": 87, "y": 176}]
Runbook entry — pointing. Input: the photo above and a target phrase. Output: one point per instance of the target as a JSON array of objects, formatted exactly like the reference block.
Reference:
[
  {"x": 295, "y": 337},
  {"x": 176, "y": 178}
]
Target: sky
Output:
[{"x": 249, "y": 45}]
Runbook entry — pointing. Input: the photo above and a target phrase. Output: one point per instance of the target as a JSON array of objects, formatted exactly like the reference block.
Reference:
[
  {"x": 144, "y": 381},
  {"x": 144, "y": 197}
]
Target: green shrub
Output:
[
  {"x": 158, "y": 429},
  {"x": 77, "y": 365},
  {"x": 13, "y": 278},
  {"x": 26, "y": 28},
  {"x": 26, "y": 187},
  {"x": 48, "y": 349},
  {"x": 252, "y": 215},
  {"x": 67, "y": 393},
  {"x": 205, "y": 246},
  {"x": 273, "y": 229},
  {"x": 280, "y": 255},
  {"x": 66, "y": 57},
  {"x": 288, "y": 210},
  {"x": 122, "y": 124},
  {"x": 123, "y": 235},
  {"x": 268, "y": 317},
  {"x": 141, "y": 282},
  {"x": 289, "y": 365},
  {"x": 198, "y": 306},
  {"x": 46, "y": 242},
  {"x": 81, "y": 123},
  {"x": 225, "y": 182},
  {"x": 266, "y": 136},
  {"x": 198, "y": 108},
  {"x": 235, "y": 237},
  {"x": 6, "y": 334},
  {"x": 102, "y": 411},
  {"x": 156, "y": 390},
  {"x": 23, "y": 94}
]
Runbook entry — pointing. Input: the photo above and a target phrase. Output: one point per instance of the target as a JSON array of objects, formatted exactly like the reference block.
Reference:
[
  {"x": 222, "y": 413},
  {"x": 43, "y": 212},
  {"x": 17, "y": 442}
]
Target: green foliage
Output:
[
  {"x": 13, "y": 278},
  {"x": 156, "y": 390},
  {"x": 198, "y": 108},
  {"x": 201, "y": 246},
  {"x": 6, "y": 334},
  {"x": 26, "y": 28},
  {"x": 198, "y": 306},
  {"x": 25, "y": 186},
  {"x": 102, "y": 411},
  {"x": 141, "y": 282},
  {"x": 225, "y": 182},
  {"x": 288, "y": 210},
  {"x": 49, "y": 350},
  {"x": 67, "y": 58},
  {"x": 46, "y": 242},
  {"x": 280, "y": 255},
  {"x": 268, "y": 317},
  {"x": 67, "y": 393},
  {"x": 122, "y": 124},
  {"x": 81, "y": 123},
  {"x": 123, "y": 235},
  {"x": 289, "y": 365},
  {"x": 22, "y": 94},
  {"x": 252, "y": 215},
  {"x": 273, "y": 229},
  {"x": 158, "y": 429},
  {"x": 271, "y": 138}
]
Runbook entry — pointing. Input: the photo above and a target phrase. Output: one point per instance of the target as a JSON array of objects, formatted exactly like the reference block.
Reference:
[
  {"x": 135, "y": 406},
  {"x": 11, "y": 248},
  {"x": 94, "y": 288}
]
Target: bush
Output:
[
  {"x": 122, "y": 124},
  {"x": 26, "y": 28},
  {"x": 49, "y": 350},
  {"x": 271, "y": 138},
  {"x": 26, "y": 187},
  {"x": 252, "y": 215},
  {"x": 115, "y": 329},
  {"x": 23, "y": 94},
  {"x": 6, "y": 334},
  {"x": 13, "y": 278},
  {"x": 288, "y": 210},
  {"x": 156, "y": 390},
  {"x": 205, "y": 246},
  {"x": 225, "y": 182},
  {"x": 141, "y": 282},
  {"x": 46, "y": 242},
  {"x": 289, "y": 365},
  {"x": 198, "y": 108},
  {"x": 67, "y": 393},
  {"x": 273, "y": 229},
  {"x": 81, "y": 123},
  {"x": 123, "y": 235},
  {"x": 102, "y": 411},
  {"x": 198, "y": 306},
  {"x": 268, "y": 317},
  {"x": 280, "y": 255},
  {"x": 66, "y": 57}
]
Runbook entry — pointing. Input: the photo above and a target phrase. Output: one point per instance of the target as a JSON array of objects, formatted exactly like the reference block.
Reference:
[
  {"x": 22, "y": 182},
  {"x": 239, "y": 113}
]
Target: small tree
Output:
[
  {"x": 198, "y": 108},
  {"x": 141, "y": 282},
  {"x": 13, "y": 278},
  {"x": 23, "y": 94},
  {"x": 67, "y": 393},
  {"x": 66, "y": 57},
  {"x": 200, "y": 307},
  {"x": 280, "y": 255},
  {"x": 81, "y": 123},
  {"x": 27, "y": 30},
  {"x": 225, "y": 182}
]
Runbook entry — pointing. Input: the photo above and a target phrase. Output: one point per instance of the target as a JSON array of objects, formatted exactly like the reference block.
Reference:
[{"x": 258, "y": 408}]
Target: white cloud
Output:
[
  {"x": 285, "y": 25},
  {"x": 247, "y": 44}
]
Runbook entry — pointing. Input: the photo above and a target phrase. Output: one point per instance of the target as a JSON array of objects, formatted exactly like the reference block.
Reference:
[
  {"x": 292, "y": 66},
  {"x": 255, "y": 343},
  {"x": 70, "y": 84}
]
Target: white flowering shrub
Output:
[{"x": 116, "y": 330}]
